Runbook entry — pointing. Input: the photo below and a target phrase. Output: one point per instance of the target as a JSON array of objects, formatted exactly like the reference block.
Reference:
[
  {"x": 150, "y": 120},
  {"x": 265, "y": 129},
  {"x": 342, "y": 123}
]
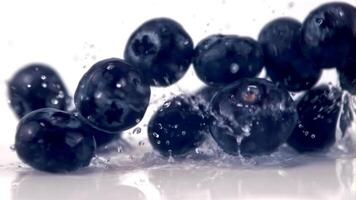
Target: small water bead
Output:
[
  {"x": 43, "y": 77},
  {"x": 44, "y": 85},
  {"x": 12, "y": 148},
  {"x": 54, "y": 101},
  {"x": 234, "y": 68},
  {"x": 110, "y": 67},
  {"x": 28, "y": 85}
]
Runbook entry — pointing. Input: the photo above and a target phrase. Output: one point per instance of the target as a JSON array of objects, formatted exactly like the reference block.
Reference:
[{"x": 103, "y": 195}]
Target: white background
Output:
[{"x": 71, "y": 35}]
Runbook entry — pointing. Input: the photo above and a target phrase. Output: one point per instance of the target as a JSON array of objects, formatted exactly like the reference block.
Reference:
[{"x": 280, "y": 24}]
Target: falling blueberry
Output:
[
  {"x": 318, "y": 111},
  {"x": 162, "y": 49},
  {"x": 252, "y": 117},
  {"x": 53, "y": 141},
  {"x": 223, "y": 59},
  {"x": 178, "y": 127},
  {"x": 37, "y": 86},
  {"x": 285, "y": 62},
  {"x": 112, "y": 96}
]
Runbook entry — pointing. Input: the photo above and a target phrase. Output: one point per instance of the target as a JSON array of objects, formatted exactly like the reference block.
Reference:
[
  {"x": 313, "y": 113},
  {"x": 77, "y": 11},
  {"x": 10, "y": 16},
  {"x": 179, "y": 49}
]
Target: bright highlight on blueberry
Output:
[
  {"x": 252, "y": 117},
  {"x": 318, "y": 112},
  {"x": 162, "y": 49},
  {"x": 285, "y": 63},
  {"x": 223, "y": 59},
  {"x": 178, "y": 127},
  {"x": 112, "y": 96},
  {"x": 53, "y": 141},
  {"x": 327, "y": 34},
  {"x": 37, "y": 86}
]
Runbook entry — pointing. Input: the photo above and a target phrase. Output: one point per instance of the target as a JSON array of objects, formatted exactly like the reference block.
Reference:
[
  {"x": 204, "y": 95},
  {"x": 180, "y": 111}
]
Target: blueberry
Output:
[
  {"x": 36, "y": 86},
  {"x": 285, "y": 62},
  {"x": 177, "y": 128},
  {"x": 327, "y": 33},
  {"x": 162, "y": 49},
  {"x": 112, "y": 96},
  {"x": 223, "y": 59},
  {"x": 252, "y": 117},
  {"x": 318, "y": 111},
  {"x": 53, "y": 141}
]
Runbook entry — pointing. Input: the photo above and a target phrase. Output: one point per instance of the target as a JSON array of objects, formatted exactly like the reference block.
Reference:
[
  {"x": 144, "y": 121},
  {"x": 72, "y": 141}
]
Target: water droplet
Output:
[
  {"x": 246, "y": 130},
  {"x": 118, "y": 85},
  {"x": 166, "y": 104},
  {"x": 239, "y": 139},
  {"x": 184, "y": 133},
  {"x": 136, "y": 130},
  {"x": 234, "y": 68},
  {"x": 110, "y": 67},
  {"x": 312, "y": 136},
  {"x": 291, "y": 4},
  {"x": 44, "y": 85},
  {"x": 170, "y": 157},
  {"x": 42, "y": 124},
  {"x": 158, "y": 142},
  {"x": 186, "y": 42},
  {"x": 60, "y": 94},
  {"x": 12, "y": 147},
  {"x": 155, "y": 135},
  {"x": 168, "y": 142},
  {"x": 28, "y": 85},
  {"x": 54, "y": 101}
]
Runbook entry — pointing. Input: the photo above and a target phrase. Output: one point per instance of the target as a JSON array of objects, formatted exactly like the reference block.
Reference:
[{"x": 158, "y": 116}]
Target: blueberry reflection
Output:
[
  {"x": 322, "y": 179},
  {"x": 89, "y": 186}
]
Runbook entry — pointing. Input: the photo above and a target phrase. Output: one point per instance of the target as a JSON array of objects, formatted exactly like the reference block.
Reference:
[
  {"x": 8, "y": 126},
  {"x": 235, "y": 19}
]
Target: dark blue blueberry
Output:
[
  {"x": 327, "y": 34},
  {"x": 36, "y": 86},
  {"x": 162, "y": 49},
  {"x": 252, "y": 117},
  {"x": 318, "y": 111},
  {"x": 112, "y": 96},
  {"x": 285, "y": 63},
  {"x": 222, "y": 59},
  {"x": 178, "y": 127},
  {"x": 53, "y": 141}
]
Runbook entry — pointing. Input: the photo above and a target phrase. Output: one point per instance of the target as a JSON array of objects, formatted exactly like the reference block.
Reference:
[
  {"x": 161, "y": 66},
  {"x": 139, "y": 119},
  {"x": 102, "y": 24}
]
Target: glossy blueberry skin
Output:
[
  {"x": 252, "y": 117},
  {"x": 37, "y": 86},
  {"x": 162, "y": 49},
  {"x": 53, "y": 141},
  {"x": 285, "y": 63},
  {"x": 223, "y": 59},
  {"x": 112, "y": 96},
  {"x": 178, "y": 127},
  {"x": 327, "y": 33},
  {"x": 318, "y": 113}
]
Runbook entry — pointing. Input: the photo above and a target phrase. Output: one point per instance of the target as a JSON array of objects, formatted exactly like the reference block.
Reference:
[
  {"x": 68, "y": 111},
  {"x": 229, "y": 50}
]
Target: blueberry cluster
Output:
[{"x": 245, "y": 115}]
